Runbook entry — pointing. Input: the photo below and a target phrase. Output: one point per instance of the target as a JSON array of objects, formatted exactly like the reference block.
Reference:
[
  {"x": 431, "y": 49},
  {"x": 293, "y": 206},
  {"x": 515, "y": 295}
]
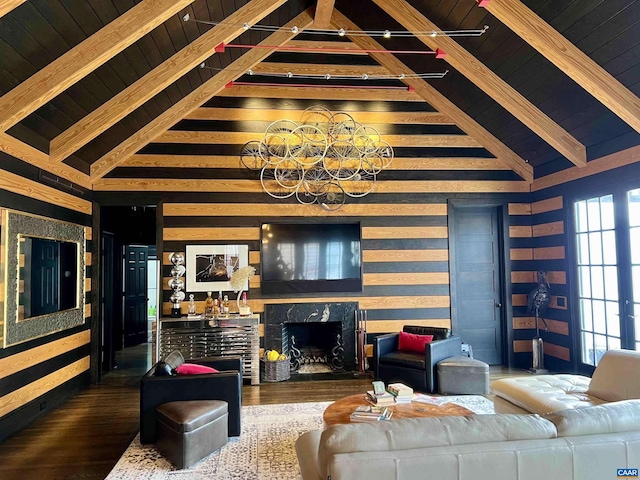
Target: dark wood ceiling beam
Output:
[
  {"x": 132, "y": 97},
  {"x": 196, "y": 98},
  {"x": 84, "y": 58},
  {"x": 439, "y": 101},
  {"x": 509, "y": 98},
  {"x": 324, "y": 9},
  {"x": 35, "y": 157},
  {"x": 7, "y": 5},
  {"x": 568, "y": 58}
]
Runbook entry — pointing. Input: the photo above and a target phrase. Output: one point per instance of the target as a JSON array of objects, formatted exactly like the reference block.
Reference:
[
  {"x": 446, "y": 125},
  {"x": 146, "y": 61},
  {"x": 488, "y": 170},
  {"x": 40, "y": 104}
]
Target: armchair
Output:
[
  {"x": 156, "y": 389},
  {"x": 417, "y": 370}
]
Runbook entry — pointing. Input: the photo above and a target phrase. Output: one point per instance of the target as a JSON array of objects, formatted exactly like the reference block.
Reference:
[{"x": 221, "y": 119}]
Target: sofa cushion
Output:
[
  {"x": 616, "y": 376},
  {"x": 544, "y": 394},
  {"x": 614, "y": 417},
  {"x": 194, "y": 369},
  {"x": 413, "y": 433},
  {"x": 439, "y": 333},
  {"x": 412, "y": 342},
  {"x": 404, "y": 359}
]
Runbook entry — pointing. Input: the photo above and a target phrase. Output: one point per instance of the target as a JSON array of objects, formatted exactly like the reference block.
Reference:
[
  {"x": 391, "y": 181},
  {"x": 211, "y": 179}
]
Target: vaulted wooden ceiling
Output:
[{"x": 85, "y": 85}]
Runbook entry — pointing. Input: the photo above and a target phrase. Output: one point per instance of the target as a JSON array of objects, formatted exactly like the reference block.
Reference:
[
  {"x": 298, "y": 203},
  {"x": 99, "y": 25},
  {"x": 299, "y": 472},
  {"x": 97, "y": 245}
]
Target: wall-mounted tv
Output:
[{"x": 310, "y": 258}]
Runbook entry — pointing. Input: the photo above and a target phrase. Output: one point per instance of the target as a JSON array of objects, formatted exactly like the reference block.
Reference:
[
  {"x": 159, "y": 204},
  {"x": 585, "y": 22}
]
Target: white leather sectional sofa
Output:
[
  {"x": 577, "y": 444},
  {"x": 617, "y": 377}
]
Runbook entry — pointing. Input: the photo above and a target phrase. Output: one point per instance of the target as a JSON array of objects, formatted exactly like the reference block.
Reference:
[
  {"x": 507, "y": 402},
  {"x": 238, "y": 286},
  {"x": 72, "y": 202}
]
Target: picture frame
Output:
[{"x": 209, "y": 267}]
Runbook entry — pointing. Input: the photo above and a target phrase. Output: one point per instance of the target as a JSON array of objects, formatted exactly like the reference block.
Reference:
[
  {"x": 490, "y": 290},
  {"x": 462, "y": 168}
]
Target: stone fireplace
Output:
[{"x": 316, "y": 334}]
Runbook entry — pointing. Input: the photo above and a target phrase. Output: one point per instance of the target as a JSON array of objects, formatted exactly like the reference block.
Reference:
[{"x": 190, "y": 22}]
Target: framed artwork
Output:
[{"x": 209, "y": 267}]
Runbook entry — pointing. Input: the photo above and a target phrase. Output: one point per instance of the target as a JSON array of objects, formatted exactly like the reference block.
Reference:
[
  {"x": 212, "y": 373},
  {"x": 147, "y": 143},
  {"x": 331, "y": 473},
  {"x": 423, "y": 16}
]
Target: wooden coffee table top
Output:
[{"x": 339, "y": 411}]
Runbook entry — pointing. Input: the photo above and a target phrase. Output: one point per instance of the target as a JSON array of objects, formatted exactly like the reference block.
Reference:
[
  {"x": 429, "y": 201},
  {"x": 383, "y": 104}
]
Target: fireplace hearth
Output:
[{"x": 318, "y": 338}]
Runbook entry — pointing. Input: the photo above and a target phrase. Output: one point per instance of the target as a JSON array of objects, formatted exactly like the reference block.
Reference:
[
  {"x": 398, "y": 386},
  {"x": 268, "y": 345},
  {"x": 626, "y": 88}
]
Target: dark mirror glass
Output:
[{"x": 48, "y": 276}]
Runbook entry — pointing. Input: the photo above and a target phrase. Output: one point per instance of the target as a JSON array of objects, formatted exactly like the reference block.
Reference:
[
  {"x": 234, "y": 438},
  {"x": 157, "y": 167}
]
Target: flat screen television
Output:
[{"x": 310, "y": 258}]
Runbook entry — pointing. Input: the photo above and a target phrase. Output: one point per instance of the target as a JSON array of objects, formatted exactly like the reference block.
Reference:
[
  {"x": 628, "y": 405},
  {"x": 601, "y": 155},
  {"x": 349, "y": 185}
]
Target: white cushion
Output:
[
  {"x": 544, "y": 394},
  {"x": 617, "y": 376},
  {"x": 614, "y": 417}
]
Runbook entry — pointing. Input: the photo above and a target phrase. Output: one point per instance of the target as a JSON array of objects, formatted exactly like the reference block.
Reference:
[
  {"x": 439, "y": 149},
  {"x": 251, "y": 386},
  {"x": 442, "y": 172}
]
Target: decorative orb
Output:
[
  {"x": 176, "y": 297},
  {"x": 177, "y": 258},
  {"x": 176, "y": 284},
  {"x": 178, "y": 271}
]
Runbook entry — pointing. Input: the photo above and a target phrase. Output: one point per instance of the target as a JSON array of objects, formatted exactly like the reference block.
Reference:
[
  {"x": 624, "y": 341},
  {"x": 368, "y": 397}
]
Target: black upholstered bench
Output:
[{"x": 190, "y": 430}]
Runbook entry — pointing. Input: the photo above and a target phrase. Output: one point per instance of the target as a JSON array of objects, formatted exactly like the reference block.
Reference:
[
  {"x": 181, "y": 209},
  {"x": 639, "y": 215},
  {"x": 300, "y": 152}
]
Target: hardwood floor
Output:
[{"x": 85, "y": 437}]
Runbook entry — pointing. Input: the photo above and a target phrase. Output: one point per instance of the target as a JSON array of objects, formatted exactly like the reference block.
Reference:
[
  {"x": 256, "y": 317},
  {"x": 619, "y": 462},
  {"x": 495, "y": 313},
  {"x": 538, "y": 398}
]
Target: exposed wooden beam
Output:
[
  {"x": 314, "y": 69},
  {"x": 196, "y": 98},
  {"x": 488, "y": 81},
  {"x": 240, "y": 138},
  {"x": 271, "y": 115},
  {"x": 439, "y": 101},
  {"x": 568, "y": 58},
  {"x": 7, "y": 5},
  {"x": 84, "y": 58},
  {"x": 158, "y": 79},
  {"x": 345, "y": 48},
  {"x": 322, "y": 93},
  {"x": 324, "y": 9},
  {"x": 35, "y": 157}
]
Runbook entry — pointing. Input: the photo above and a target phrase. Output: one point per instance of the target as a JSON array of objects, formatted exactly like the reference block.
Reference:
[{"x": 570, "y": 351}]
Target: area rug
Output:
[{"x": 264, "y": 450}]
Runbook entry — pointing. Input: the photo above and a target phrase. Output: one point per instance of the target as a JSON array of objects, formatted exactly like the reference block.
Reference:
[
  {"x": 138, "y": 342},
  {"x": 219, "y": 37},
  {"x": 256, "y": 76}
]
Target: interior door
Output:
[
  {"x": 135, "y": 293},
  {"x": 45, "y": 294},
  {"x": 477, "y": 276}
]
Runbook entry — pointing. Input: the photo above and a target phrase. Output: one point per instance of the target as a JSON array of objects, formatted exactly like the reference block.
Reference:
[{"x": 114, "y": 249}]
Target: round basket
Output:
[{"x": 275, "y": 371}]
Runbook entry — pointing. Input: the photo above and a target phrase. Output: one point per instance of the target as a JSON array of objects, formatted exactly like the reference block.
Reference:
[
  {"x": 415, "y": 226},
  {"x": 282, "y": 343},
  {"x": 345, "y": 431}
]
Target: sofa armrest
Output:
[
  {"x": 436, "y": 352},
  {"x": 154, "y": 391},
  {"x": 383, "y": 344}
]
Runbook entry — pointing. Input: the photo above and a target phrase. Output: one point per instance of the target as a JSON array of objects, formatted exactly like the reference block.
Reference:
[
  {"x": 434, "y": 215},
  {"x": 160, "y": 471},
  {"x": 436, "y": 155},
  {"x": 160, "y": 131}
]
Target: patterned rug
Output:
[{"x": 264, "y": 450}]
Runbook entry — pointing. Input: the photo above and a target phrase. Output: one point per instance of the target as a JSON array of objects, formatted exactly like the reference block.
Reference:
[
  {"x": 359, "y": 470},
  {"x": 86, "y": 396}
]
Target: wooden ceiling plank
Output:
[
  {"x": 196, "y": 98},
  {"x": 314, "y": 69},
  {"x": 440, "y": 102},
  {"x": 84, "y": 58},
  {"x": 568, "y": 58},
  {"x": 322, "y": 93},
  {"x": 344, "y": 48},
  {"x": 35, "y": 157},
  {"x": 158, "y": 79},
  {"x": 324, "y": 9},
  {"x": 7, "y": 5},
  {"x": 271, "y": 115},
  {"x": 509, "y": 98}
]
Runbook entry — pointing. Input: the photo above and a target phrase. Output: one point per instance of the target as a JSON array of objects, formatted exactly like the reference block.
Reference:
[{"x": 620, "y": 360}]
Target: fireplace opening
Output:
[{"x": 314, "y": 347}]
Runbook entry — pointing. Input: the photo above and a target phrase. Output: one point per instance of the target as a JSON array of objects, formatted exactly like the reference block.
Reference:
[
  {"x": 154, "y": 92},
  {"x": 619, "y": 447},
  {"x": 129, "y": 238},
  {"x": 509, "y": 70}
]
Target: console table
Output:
[{"x": 224, "y": 336}]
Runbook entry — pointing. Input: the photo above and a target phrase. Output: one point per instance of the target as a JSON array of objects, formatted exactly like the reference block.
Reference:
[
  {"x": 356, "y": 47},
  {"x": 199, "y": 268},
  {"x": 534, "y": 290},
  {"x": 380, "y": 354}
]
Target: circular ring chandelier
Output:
[{"x": 323, "y": 158}]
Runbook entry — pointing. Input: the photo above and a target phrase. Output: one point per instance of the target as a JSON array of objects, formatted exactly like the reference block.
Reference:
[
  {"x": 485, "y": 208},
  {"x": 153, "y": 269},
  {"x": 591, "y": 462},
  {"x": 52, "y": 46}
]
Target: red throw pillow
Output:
[
  {"x": 411, "y": 342},
  {"x": 194, "y": 369}
]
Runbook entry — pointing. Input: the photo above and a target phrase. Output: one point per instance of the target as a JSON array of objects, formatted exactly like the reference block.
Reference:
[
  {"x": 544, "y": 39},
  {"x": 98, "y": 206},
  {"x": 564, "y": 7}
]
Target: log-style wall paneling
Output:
[
  {"x": 569, "y": 58},
  {"x": 364, "y": 117},
  {"x": 599, "y": 165},
  {"x": 370, "y": 256},
  {"x": 26, "y": 394},
  {"x": 84, "y": 58},
  {"x": 240, "y": 138},
  {"x": 35, "y": 157},
  {"x": 386, "y": 326},
  {"x": 559, "y": 302},
  {"x": 548, "y": 253},
  {"x": 87, "y": 310},
  {"x": 547, "y": 229},
  {"x": 529, "y": 323},
  {"x": 520, "y": 231},
  {"x": 298, "y": 210},
  {"x": 23, "y": 186},
  {"x": 554, "y": 277},
  {"x": 519, "y": 209},
  {"x": 132, "y": 97},
  {"x": 547, "y": 205},
  {"x": 430, "y": 278},
  {"x": 88, "y": 233},
  {"x": 479, "y": 74},
  {"x": 29, "y": 358},
  {"x": 196, "y": 98},
  {"x": 436, "y": 99},
  {"x": 557, "y": 351},
  {"x": 254, "y": 186},
  {"x": 521, "y": 254}
]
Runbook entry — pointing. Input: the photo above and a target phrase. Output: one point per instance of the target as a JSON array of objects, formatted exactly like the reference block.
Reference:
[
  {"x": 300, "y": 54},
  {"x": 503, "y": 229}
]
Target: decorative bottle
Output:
[
  {"x": 192, "y": 305},
  {"x": 216, "y": 308},
  {"x": 208, "y": 305},
  {"x": 244, "y": 308},
  {"x": 225, "y": 306}
]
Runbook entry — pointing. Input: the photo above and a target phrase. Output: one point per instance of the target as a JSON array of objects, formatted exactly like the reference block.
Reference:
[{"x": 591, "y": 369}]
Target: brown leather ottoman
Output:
[{"x": 189, "y": 431}]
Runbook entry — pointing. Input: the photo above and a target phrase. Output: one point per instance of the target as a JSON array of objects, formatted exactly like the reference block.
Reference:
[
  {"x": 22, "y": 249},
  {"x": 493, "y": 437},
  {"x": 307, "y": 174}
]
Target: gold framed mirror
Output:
[{"x": 42, "y": 275}]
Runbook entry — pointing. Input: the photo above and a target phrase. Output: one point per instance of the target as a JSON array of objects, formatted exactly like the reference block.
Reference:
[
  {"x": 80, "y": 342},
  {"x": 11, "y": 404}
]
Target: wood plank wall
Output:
[
  {"x": 538, "y": 243},
  {"x": 38, "y": 375},
  {"x": 404, "y": 222}
]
